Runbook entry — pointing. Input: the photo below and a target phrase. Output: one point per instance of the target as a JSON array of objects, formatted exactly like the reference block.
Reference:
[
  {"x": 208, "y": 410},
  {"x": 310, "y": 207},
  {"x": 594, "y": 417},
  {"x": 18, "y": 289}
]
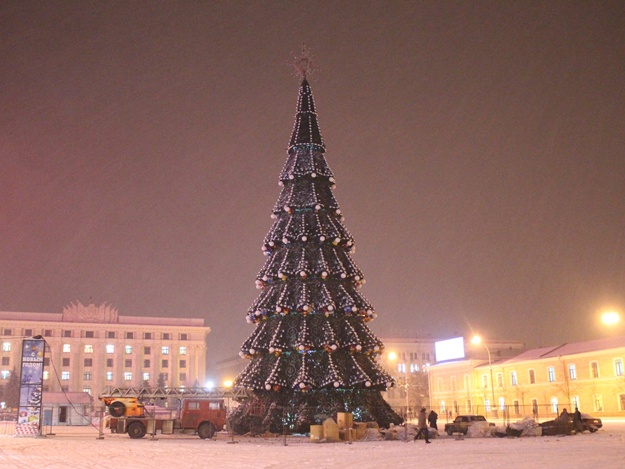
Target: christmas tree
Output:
[{"x": 312, "y": 354}]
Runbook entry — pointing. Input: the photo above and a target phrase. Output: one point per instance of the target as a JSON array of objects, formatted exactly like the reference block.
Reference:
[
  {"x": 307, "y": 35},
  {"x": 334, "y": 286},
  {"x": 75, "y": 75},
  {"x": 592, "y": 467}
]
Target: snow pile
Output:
[
  {"x": 526, "y": 427},
  {"x": 480, "y": 430}
]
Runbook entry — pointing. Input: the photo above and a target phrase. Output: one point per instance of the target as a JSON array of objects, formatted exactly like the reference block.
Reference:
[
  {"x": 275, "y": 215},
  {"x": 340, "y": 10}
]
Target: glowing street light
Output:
[
  {"x": 477, "y": 340},
  {"x": 610, "y": 318}
]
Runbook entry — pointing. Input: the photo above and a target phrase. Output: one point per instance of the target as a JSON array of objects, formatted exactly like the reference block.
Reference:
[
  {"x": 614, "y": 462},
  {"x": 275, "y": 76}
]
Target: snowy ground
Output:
[{"x": 79, "y": 447}]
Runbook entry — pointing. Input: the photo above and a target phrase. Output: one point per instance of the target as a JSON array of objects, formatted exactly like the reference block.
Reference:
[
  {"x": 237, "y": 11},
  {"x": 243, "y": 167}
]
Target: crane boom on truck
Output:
[{"x": 201, "y": 410}]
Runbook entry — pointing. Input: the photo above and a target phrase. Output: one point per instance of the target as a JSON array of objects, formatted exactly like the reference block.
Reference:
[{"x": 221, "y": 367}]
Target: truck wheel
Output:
[
  {"x": 136, "y": 430},
  {"x": 205, "y": 430},
  {"x": 450, "y": 431},
  {"x": 117, "y": 409}
]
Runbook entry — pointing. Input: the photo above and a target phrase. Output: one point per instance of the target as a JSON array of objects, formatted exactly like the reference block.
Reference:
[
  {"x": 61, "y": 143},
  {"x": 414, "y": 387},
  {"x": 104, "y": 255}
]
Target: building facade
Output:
[
  {"x": 410, "y": 361},
  {"x": 91, "y": 347},
  {"x": 538, "y": 383},
  {"x": 407, "y": 361}
]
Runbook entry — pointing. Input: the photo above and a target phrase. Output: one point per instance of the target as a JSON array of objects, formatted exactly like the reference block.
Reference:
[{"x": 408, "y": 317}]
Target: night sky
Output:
[{"x": 478, "y": 149}]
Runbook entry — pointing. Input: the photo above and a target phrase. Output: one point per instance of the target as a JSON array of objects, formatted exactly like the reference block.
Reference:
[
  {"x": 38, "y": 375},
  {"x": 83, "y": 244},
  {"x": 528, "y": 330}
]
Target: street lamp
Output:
[
  {"x": 610, "y": 318},
  {"x": 477, "y": 340}
]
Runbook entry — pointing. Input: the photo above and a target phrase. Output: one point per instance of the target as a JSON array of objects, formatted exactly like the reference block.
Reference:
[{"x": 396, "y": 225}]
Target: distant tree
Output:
[
  {"x": 161, "y": 381},
  {"x": 11, "y": 391}
]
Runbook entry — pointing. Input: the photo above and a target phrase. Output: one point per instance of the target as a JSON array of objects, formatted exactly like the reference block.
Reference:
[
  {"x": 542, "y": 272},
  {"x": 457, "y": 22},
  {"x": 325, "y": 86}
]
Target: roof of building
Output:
[
  {"x": 138, "y": 320},
  {"x": 66, "y": 398},
  {"x": 573, "y": 348}
]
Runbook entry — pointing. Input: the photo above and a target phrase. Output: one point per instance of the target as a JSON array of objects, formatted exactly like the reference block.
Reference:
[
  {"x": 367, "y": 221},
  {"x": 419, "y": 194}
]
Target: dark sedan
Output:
[{"x": 567, "y": 427}]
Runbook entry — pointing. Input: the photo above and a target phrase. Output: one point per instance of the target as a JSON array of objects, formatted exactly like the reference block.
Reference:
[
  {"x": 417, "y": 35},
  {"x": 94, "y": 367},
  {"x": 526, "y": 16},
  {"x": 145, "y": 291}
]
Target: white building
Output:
[{"x": 90, "y": 347}]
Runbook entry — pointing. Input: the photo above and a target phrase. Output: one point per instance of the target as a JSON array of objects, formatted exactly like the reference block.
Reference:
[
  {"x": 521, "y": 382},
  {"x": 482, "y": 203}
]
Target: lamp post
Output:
[{"x": 477, "y": 340}]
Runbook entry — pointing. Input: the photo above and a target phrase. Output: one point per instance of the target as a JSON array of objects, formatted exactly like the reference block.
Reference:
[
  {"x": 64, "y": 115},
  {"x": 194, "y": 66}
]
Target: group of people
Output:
[
  {"x": 422, "y": 424},
  {"x": 565, "y": 418}
]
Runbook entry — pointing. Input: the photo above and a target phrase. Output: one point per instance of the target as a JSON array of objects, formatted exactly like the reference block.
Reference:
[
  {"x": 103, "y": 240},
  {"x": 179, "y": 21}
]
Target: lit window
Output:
[
  {"x": 552, "y": 374},
  {"x": 572, "y": 371},
  {"x": 442, "y": 406},
  {"x": 128, "y": 349},
  {"x": 6, "y": 346},
  {"x": 127, "y": 376},
  {"x": 575, "y": 401},
  {"x": 109, "y": 376},
  {"x": 67, "y": 348},
  {"x": 88, "y": 348},
  {"x": 414, "y": 367},
  {"x": 86, "y": 389},
  {"x": 46, "y": 375},
  {"x": 65, "y": 375},
  {"x": 513, "y": 379},
  {"x": 618, "y": 366},
  {"x": 487, "y": 404},
  {"x": 5, "y": 374},
  {"x": 165, "y": 350},
  {"x": 86, "y": 376},
  {"x": 502, "y": 403},
  {"x": 554, "y": 405},
  {"x": 183, "y": 350},
  {"x": 146, "y": 376},
  {"x": 110, "y": 348}
]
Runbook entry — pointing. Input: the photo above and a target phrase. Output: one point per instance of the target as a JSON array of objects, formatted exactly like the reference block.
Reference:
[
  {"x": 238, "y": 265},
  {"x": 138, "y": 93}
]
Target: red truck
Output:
[{"x": 196, "y": 415}]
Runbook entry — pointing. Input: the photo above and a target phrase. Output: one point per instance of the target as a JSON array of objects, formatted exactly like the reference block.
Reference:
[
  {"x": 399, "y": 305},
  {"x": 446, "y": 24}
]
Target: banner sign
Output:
[{"x": 31, "y": 382}]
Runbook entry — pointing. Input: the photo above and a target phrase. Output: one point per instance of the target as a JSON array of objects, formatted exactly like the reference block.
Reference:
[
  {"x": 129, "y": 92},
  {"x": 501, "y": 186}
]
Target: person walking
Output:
[
  {"x": 422, "y": 426},
  {"x": 432, "y": 417}
]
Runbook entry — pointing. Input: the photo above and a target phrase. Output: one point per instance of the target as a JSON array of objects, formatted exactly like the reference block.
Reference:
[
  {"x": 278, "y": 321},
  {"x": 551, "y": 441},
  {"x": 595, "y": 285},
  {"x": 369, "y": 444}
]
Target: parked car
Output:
[
  {"x": 567, "y": 427},
  {"x": 462, "y": 423},
  {"x": 590, "y": 423}
]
